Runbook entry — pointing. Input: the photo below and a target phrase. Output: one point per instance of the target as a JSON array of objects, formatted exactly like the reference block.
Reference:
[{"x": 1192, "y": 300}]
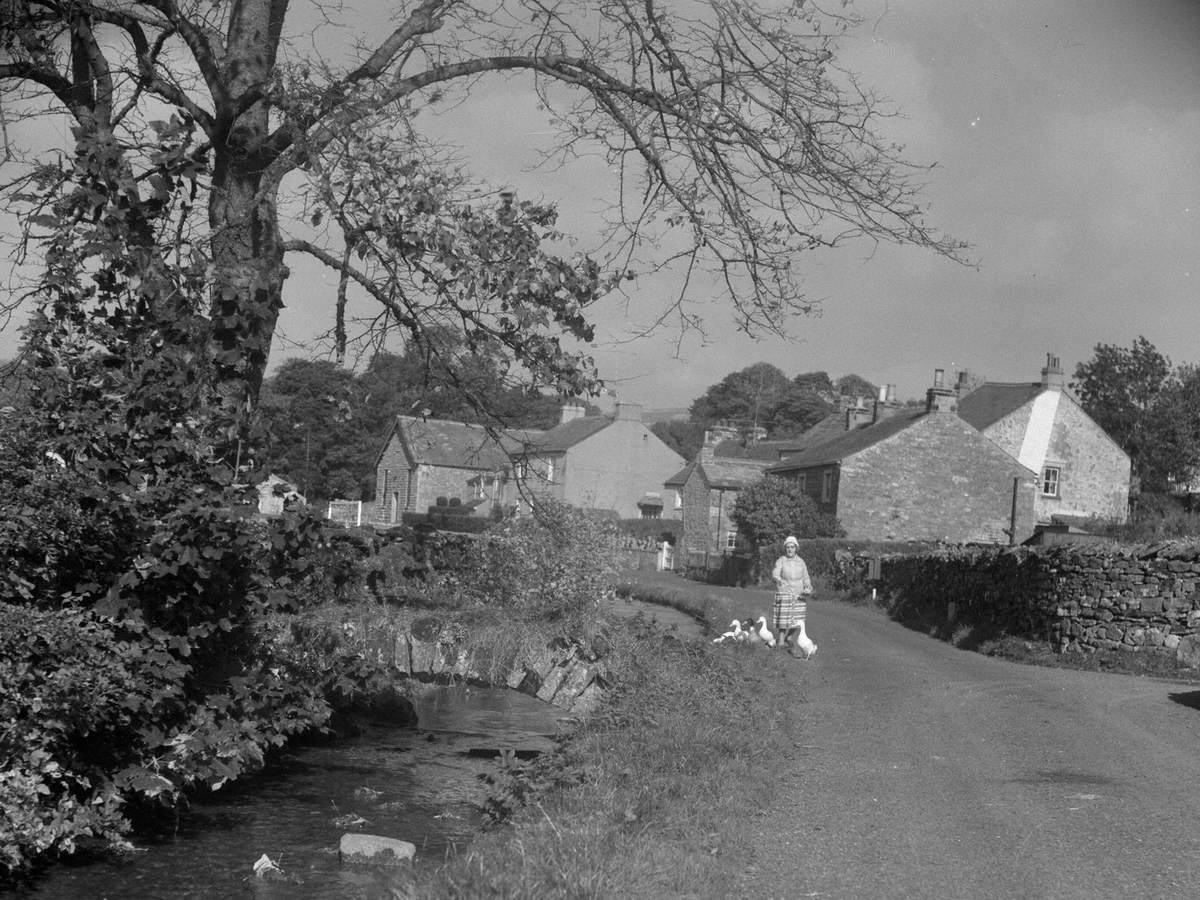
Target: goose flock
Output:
[{"x": 755, "y": 631}]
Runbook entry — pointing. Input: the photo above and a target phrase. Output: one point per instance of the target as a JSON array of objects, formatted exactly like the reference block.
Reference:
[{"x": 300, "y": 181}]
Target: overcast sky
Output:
[{"x": 1067, "y": 140}]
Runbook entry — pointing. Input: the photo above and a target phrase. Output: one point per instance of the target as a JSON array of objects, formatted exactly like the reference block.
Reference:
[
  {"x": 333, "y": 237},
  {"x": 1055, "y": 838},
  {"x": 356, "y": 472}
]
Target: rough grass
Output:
[{"x": 664, "y": 779}]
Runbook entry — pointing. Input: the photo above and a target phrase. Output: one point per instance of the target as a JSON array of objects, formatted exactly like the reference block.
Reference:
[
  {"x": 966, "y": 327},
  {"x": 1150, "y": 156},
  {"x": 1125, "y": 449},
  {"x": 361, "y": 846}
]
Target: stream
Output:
[{"x": 422, "y": 784}]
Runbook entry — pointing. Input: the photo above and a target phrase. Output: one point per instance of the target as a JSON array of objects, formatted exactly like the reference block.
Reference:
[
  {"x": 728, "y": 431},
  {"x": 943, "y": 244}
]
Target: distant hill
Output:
[{"x": 678, "y": 413}]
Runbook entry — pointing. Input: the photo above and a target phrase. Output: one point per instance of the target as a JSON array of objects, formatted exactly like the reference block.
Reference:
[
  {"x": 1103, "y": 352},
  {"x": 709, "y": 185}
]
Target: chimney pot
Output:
[{"x": 1052, "y": 375}]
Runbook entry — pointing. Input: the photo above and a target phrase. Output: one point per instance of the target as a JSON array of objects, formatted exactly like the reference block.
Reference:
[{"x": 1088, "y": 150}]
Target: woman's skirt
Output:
[{"x": 790, "y": 610}]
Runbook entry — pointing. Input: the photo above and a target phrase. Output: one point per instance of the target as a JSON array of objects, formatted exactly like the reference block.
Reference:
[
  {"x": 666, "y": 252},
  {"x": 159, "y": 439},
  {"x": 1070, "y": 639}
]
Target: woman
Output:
[{"x": 792, "y": 586}]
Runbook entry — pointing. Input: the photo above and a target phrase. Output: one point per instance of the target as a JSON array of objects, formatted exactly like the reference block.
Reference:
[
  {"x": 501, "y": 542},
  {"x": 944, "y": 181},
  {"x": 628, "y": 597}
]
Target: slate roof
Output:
[
  {"x": 729, "y": 467},
  {"x": 848, "y": 442},
  {"x": 735, "y": 449},
  {"x": 826, "y": 429},
  {"x": 563, "y": 437},
  {"x": 438, "y": 442},
  {"x": 992, "y": 401},
  {"x": 679, "y": 479},
  {"x": 735, "y": 474}
]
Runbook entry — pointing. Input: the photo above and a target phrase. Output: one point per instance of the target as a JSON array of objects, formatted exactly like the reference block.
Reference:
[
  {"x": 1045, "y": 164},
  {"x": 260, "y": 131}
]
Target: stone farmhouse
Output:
[
  {"x": 423, "y": 459},
  {"x": 1081, "y": 471},
  {"x": 612, "y": 463},
  {"x": 704, "y": 493},
  {"x": 922, "y": 474},
  {"x": 895, "y": 474}
]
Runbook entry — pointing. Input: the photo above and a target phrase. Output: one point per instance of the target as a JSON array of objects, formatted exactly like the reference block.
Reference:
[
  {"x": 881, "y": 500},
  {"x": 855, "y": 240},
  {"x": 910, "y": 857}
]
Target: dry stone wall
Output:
[
  {"x": 431, "y": 651},
  {"x": 1082, "y": 597}
]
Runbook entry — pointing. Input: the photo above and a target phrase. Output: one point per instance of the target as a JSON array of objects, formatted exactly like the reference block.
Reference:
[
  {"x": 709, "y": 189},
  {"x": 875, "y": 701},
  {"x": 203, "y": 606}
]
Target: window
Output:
[
  {"x": 802, "y": 480},
  {"x": 827, "y": 485},
  {"x": 679, "y": 500},
  {"x": 550, "y": 471},
  {"x": 1050, "y": 481},
  {"x": 731, "y": 540}
]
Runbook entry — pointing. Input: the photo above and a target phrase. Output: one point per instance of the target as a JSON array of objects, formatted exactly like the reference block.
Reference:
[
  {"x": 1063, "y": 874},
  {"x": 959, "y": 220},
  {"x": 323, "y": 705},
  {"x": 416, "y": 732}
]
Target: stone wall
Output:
[
  {"x": 938, "y": 479},
  {"x": 1081, "y": 597},
  {"x": 431, "y": 651}
]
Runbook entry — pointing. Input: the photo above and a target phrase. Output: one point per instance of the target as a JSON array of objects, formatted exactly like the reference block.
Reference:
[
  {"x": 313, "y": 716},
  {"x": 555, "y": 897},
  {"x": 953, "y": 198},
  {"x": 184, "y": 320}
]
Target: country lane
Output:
[{"x": 930, "y": 772}]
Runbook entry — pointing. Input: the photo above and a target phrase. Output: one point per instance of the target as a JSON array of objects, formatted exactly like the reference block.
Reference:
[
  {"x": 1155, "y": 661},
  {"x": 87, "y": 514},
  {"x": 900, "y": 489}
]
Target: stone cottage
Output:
[
  {"x": 922, "y": 474},
  {"x": 706, "y": 491},
  {"x": 1081, "y": 471},
  {"x": 424, "y": 459},
  {"x": 609, "y": 462}
]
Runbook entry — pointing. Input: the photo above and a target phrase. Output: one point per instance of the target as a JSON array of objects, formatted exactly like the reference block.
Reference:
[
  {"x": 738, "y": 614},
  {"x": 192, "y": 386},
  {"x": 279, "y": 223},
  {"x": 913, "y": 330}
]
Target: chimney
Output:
[
  {"x": 507, "y": 211},
  {"x": 628, "y": 412},
  {"x": 940, "y": 398},
  {"x": 857, "y": 415},
  {"x": 1053, "y": 378},
  {"x": 886, "y": 405},
  {"x": 570, "y": 412}
]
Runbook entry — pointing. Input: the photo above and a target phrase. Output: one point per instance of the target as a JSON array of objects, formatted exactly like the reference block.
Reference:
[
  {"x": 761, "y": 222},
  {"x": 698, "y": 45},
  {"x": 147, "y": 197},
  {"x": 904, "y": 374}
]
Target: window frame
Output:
[
  {"x": 827, "y": 486},
  {"x": 1054, "y": 484}
]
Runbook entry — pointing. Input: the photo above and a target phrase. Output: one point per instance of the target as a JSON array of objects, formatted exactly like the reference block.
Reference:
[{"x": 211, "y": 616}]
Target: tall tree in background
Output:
[
  {"x": 762, "y": 395},
  {"x": 726, "y": 122},
  {"x": 746, "y": 398},
  {"x": 685, "y": 438},
  {"x": 856, "y": 386},
  {"x": 1170, "y": 451},
  {"x": 1148, "y": 407}
]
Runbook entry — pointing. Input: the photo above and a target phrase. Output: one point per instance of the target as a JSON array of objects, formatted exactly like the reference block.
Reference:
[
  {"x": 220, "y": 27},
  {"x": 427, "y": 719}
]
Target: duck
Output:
[
  {"x": 804, "y": 643},
  {"x": 763, "y": 632},
  {"x": 735, "y": 633}
]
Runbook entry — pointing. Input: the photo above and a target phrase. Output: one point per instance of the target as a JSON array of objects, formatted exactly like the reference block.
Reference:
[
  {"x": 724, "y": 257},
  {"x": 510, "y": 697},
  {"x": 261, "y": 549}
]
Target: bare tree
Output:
[{"x": 727, "y": 121}]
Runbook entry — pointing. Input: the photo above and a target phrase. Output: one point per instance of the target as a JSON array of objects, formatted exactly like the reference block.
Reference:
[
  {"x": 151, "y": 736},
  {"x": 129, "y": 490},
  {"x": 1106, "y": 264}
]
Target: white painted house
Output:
[{"x": 1082, "y": 472}]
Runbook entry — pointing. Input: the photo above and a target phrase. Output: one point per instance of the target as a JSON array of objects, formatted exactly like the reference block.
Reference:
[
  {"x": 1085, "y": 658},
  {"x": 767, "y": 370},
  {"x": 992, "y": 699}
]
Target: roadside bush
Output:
[
  {"x": 1153, "y": 517},
  {"x": 558, "y": 564}
]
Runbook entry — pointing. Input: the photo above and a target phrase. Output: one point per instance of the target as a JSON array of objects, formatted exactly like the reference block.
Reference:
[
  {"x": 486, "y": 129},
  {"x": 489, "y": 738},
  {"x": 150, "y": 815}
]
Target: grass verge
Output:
[{"x": 652, "y": 795}]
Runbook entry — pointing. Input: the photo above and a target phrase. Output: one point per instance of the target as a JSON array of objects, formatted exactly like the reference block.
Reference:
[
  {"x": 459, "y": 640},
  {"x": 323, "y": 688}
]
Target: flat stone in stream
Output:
[{"x": 374, "y": 850}]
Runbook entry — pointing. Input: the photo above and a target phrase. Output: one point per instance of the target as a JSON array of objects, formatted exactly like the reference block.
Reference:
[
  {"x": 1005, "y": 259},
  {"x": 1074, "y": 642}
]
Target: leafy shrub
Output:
[
  {"x": 135, "y": 586},
  {"x": 75, "y": 700},
  {"x": 558, "y": 564},
  {"x": 1153, "y": 517},
  {"x": 775, "y": 507}
]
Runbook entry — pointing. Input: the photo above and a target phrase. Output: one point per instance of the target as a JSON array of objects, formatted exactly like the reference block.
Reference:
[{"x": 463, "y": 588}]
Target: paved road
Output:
[{"x": 933, "y": 772}]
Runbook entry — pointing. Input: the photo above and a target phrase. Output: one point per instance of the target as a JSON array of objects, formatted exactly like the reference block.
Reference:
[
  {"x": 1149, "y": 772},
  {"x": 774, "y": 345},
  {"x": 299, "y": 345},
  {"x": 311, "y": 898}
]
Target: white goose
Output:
[
  {"x": 734, "y": 633},
  {"x": 804, "y": 643},
  {"x": 760, "y": 633}
]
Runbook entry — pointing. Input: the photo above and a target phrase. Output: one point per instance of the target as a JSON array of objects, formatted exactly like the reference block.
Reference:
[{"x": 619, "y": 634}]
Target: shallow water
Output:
[
  {"x": 428, "y": 788},
  {"x": 421, "y": 784}
]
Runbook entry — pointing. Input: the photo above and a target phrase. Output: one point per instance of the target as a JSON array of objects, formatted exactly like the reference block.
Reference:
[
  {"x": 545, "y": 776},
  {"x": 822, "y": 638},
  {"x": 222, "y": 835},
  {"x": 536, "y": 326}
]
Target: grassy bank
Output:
[{"x": 652, "y": 796}]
